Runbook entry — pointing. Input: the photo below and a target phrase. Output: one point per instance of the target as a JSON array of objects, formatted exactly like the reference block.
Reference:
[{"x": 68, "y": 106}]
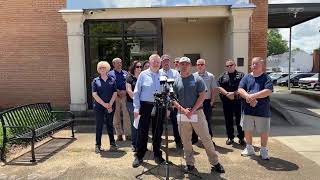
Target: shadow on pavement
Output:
[
  {"x": 113, "y": 154},
  {"x": 276, "y": 164},
  {"x": 43, "y": 152}
]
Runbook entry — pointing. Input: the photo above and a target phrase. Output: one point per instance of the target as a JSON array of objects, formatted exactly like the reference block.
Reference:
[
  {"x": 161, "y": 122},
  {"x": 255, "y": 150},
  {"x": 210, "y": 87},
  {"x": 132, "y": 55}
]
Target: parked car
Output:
[
  {"x": 276, "y": 76},
  {"x": 317, "y": 86},
  {"x": 294, "y": 79},
  {"x": 309, "y": 82}
]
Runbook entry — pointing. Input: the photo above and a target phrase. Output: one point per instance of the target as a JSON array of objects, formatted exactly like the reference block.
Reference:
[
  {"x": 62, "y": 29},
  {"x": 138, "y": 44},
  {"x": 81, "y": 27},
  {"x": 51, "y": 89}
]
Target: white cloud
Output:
[{"x": 305, "y": 36}]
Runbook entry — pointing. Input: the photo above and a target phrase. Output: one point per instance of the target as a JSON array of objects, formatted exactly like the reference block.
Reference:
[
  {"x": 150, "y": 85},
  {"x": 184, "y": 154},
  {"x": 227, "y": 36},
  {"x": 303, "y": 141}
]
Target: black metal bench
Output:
[{"x": 31, "y": 123}]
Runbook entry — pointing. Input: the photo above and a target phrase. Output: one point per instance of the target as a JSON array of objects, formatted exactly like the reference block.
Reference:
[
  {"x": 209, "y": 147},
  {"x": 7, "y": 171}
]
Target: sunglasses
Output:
[
  {"x": 200, "y": 64},
  {"x": 138, "y": 66},
  {"x": 229, "y": 65},
  {"x": 176, "y": 62}
]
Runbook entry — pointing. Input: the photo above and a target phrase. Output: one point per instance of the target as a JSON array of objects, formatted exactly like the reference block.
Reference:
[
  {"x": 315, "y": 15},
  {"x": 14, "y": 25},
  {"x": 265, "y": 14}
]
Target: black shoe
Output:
[
  {"x": 128, "y": 138},
  {"x": 229, "y": 141},
  {"x": 189, "y": 168},
  {"x": 158, "y": 159},
  {"x": 113, "y": 146},
  {"x": 194, "y": 141},
  {"x": 136, "y": 162},
  {"x": 179, "y": 145},
  {"x": 218, "y": 168},
  {"x": 98, "y": 149},
  {"x": 119, "y": 138},
  {"x": 242, "y": 142}
]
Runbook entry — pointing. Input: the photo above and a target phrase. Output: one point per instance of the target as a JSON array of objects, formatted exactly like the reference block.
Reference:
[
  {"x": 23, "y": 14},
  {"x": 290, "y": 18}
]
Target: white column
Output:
[
  {"x": 240, "y": 27},
  {"x": 77, "y": 70}
]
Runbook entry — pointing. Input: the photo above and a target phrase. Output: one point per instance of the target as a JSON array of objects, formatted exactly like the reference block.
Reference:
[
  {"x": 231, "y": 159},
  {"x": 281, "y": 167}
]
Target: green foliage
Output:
[{"x": 276, "y": 45}]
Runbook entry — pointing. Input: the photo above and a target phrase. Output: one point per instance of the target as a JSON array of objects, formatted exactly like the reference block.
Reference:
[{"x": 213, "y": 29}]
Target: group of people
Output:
[{"x": 245, "y": 97}]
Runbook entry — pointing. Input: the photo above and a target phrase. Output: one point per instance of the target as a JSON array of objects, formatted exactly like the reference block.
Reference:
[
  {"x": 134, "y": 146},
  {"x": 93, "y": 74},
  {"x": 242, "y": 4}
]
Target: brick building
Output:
[{"x": 49, "y": 49}]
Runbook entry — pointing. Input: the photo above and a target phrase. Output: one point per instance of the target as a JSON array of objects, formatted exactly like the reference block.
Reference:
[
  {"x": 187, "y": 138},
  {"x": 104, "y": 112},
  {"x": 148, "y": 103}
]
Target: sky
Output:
[{"x": 305, "y": 36}]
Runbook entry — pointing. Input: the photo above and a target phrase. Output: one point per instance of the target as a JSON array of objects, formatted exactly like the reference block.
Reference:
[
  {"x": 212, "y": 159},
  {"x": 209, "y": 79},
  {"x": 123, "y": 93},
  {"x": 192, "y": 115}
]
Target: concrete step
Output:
[{"x": 215, "y": 120}]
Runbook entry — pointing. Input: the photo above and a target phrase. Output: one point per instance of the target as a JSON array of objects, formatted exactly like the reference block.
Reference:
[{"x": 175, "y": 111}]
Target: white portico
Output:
[{"x": 214, "y": 32}]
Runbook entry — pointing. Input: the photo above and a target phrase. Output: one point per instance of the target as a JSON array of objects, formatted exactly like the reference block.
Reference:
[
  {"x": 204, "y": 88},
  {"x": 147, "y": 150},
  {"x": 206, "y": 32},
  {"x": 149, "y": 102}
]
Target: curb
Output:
[
  {"x": 308, "y": 94},
  {"x": 284, "y": 113}
]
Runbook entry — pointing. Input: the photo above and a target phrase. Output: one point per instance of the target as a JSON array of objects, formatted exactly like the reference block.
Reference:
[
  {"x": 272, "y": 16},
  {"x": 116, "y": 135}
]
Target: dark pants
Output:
[
  {"x": 173, "y": 118},
  {"x": 143, "y": 130},
  {"x": 207, "y": 109},
  {"x": 133, "y": 129},
  {"x": 102, "y": 116},
  {"x": 232, "y": 108}
]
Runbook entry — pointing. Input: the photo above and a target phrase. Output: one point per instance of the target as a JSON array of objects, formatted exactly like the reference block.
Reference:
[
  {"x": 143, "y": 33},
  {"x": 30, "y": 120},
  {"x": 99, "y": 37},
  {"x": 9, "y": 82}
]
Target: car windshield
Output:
[{"x": 276, "y": 76}]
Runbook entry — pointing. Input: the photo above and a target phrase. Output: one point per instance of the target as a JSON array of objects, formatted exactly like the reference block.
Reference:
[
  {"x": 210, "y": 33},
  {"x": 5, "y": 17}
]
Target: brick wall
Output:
[
  {"x": 258, "y": 30},
  {"x": 33, "y": 53},
  {"x": 316, "y": 60}
]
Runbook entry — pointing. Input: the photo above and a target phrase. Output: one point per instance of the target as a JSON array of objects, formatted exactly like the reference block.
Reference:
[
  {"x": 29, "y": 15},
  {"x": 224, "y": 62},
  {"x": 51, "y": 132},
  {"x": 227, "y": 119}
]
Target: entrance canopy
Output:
[
  {"x": 288, "y": 15},
  {"x": 107, "y": 4}
]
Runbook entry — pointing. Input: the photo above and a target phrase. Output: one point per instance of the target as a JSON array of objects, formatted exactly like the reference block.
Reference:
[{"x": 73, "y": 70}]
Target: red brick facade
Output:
[
  {"x": 33, "y": 53},
  {"x": 316, "y": 61},
  {"x": 34, "y": 50},
  {"x": 258, "y": 30}
]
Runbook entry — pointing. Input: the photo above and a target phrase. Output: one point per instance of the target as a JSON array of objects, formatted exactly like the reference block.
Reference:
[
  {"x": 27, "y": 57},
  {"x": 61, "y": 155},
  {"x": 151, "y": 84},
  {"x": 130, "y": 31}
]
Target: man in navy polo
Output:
[
  {"x": 120, "y": 77},
  {"x": 104, "y": 93}
]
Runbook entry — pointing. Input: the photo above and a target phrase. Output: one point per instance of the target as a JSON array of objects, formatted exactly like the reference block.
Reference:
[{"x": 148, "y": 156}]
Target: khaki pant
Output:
[
  {"x": 121, "y": 106},
  {"x": 201, "y": 128}
]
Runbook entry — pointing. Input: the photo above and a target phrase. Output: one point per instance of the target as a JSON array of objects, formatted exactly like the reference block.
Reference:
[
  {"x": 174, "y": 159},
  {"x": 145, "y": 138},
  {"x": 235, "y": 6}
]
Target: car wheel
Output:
[{"x": 291, "y": 84}]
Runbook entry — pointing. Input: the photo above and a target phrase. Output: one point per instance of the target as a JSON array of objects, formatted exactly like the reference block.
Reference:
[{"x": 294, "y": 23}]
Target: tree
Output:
[{"x": 276, "y": 45}]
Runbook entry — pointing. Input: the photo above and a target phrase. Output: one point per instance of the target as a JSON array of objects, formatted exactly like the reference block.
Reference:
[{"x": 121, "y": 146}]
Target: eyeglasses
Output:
[
  {"x": 176, "y": 62},
  {"x": 138, "y": 66},
  {"x": 229, "y": 65},
  {"x": 200, "y": 64}
]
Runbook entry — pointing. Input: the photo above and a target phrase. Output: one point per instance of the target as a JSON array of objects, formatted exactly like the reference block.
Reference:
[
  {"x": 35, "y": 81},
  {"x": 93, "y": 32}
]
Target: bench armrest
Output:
[{"x": 64, "y": 112}]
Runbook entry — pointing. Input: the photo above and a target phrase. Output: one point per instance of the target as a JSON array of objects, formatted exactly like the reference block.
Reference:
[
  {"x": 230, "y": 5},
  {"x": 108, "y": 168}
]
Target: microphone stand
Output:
[{"x": 162, "y": 102}]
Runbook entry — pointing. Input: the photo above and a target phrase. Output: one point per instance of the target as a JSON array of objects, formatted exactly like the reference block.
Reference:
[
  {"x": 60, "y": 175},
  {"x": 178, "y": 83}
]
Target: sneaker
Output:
[
  {"x": 119, "y": 138},
  {"x": 229, "y": 141},
  {"x": 264, "y": 153},
  {"x": 136, "y": 162},
  {"x": 98, "y": 149},
  {"x": 218, "y": 168},
  {"x": 248, "y": 151},
  {"x": 113, "y": 146},
  {"x": 189, "y": 168},
  {"x": 242, "y": 142},
  {"x": 158, "y": 159}
]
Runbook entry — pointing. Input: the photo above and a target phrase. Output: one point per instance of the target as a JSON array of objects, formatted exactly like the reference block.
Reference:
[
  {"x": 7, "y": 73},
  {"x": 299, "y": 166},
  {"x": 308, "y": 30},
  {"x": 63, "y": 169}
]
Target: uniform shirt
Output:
[
  {"x": 187, "y": 89},
  {"x": 210, "y": 82},
  {"x": 171, "y": 73},
  {"x": 132, "y": 80},
  {"x": 230, "y": 81},
  {"x": 120, "y": 78},
  {"x": 147, "y": 85},
  {"x": 252, "y": 85},
  {"x": 104, "y": 89}
]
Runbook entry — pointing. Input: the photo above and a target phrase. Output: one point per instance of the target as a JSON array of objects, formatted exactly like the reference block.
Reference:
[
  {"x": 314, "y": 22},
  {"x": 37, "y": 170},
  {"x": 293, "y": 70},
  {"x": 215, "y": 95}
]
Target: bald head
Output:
[{"x": 257, "y": 65}]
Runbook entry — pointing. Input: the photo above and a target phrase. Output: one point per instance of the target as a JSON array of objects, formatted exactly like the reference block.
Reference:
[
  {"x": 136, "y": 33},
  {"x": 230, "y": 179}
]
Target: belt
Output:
[{"x": 147, "y": 102}]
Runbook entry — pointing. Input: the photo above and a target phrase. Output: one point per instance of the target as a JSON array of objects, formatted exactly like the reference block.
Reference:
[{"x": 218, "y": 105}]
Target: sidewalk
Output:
[
  {"x": 303, "y": 113},
  {"x": 77, "y": 160}
]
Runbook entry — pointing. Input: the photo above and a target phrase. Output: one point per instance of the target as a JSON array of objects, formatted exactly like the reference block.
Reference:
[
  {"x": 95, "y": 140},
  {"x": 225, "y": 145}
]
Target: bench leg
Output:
[
  {"x": 3, "y": 151},
  {"x": 32, "y": 151},
  {"x": 72, "y": 130}
]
